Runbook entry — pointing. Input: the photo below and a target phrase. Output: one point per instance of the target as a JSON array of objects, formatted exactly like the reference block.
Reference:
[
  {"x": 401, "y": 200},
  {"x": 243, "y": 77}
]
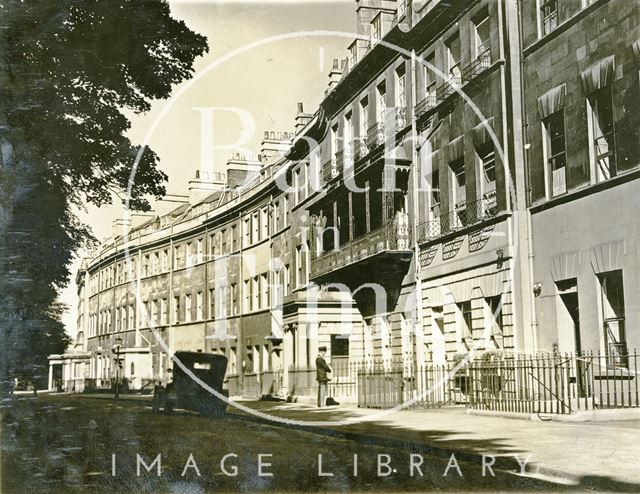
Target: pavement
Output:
[{"x": 601, "y": 455}]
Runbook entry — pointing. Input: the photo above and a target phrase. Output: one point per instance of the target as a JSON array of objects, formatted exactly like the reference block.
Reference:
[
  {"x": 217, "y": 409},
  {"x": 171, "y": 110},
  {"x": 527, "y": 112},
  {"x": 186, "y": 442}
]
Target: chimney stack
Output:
[
  {"x": 120, "y": 225},
  {"x": 334, "y": 74},
  {"x": 274, "y": 145},
  {"x": 205, "y": 183},
  {"x": 302, "y": 118},
  {"x": 366, "y": 10}
]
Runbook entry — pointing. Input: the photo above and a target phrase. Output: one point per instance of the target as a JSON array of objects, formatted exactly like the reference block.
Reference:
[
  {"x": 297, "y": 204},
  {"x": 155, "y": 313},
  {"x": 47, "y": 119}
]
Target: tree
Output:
[{"x": 69, "y": 71}]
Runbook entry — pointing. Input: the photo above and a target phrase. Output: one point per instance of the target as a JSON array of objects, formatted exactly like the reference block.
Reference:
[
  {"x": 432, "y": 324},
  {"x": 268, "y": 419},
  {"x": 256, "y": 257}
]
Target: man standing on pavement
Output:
[{"x": 321, "y": 376}]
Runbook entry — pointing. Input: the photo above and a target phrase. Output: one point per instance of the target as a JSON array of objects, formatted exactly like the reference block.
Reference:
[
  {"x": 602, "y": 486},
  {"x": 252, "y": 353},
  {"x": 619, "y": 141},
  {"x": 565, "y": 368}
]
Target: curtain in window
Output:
[
  {"x": 482, "y": 132},
  {"x": 599, "y": 75},
  {"x": 455, "y": 149},
  {"x": 552, "y": 101}
]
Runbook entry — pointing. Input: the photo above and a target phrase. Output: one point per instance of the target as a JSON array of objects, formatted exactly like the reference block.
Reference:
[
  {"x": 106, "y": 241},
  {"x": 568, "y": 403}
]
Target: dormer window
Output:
[{"x": 353, "y": 54}]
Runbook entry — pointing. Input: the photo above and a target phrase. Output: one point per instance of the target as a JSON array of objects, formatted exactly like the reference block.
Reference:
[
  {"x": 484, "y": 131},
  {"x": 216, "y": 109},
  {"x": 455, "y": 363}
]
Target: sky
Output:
[{"x": 248, "y": 68}]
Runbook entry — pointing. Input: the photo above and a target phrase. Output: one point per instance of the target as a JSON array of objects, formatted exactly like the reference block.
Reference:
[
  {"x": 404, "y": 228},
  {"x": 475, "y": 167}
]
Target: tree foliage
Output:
[{"x": 70, "y": 72}]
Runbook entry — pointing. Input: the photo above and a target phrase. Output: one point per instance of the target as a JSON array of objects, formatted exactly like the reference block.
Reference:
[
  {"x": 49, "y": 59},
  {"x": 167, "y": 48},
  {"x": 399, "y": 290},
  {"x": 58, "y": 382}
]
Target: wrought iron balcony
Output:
[
  {"x": 426, "y": 104},
  {"x": 375, "y": 136},
  {"x": 469, "y": 214},
  {"x": 361, "y": 148},
  {"x": 479, "y": 65},
  {"x": 330, "y": 170},
  {"x": 400, "y": 113},
  {"x": 391, "y": 238},
  {"x": 396, "y": 120},
  {"x": 339, "y": 159},
  {"x": 448, "y": 87}
]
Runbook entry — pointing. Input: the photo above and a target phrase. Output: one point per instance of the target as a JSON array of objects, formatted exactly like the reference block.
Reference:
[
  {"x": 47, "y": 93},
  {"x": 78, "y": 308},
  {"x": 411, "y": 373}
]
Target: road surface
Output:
[{"x": 74, "y": 443}]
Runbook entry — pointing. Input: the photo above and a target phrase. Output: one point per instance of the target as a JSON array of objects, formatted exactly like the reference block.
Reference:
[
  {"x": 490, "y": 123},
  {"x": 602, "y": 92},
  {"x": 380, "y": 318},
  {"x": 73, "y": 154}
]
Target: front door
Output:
[{"x": 570, "y": 301}]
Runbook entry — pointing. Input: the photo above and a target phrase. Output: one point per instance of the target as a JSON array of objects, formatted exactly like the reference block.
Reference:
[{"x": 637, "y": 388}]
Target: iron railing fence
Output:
[
  {"x": 251, "y": 385},
  {"x": 232, "y": 384},
  {"x": 386, "y": 384},
  {"x": 271, "y": 382},
  {"x": 302, "y": 381},
  {"x": 373, "y": 383},
  {"x": 547, "y": 384},
  {"x": 553, "y": 384}
]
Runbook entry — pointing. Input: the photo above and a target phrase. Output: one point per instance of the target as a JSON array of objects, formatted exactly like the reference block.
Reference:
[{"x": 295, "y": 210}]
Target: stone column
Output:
[
  {"x": 312, "y": 330},
  {"x": 287, "y": 357},
  {"x": 302, "y": 345},
  {"x": 50, "y": 376},
  {"x": 367, "y": 333}
]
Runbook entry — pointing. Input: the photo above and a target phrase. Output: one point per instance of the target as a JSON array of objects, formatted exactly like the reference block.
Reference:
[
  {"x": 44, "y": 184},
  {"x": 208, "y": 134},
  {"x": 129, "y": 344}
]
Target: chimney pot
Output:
[
  {"x": 335, "y": 63},
  {"x": 300, "y": 107}
]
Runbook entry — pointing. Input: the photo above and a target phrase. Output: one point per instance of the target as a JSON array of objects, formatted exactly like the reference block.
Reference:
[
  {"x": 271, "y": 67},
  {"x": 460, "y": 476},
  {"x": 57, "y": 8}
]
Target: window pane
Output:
[
  {"x": 613, "y": 314},
  {"x": 482, "y": 35},
  {"x": 339, "y": 345},
  {"x": 549, "y": 13}
]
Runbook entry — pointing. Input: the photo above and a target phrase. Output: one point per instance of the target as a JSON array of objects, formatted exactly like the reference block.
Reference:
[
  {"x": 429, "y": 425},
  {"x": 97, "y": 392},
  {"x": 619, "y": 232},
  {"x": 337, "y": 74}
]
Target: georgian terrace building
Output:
[
  {"x": 418, "y": 217},
  {"x": 210, "y": 276},
  {"x": 582, "y": 98},
  {"x": 391, "y": 245}
]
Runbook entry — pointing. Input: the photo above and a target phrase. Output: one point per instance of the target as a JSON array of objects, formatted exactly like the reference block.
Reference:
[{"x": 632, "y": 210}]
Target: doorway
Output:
[{"x": 568, "y": 293}]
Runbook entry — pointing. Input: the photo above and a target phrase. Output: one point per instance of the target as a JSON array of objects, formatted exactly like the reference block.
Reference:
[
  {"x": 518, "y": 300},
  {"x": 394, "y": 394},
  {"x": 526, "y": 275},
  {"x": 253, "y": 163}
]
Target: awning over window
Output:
[
  {"x": 430, "y": 161},
  {"x": 599, "y": 75},
  {"x": 552, "y": 101},
  {"x": 455, "y": 149},
  {"x": 482, "y": 132}
]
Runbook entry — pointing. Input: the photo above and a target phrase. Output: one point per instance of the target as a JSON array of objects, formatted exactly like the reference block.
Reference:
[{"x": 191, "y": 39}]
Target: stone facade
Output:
[
  {"x": 434, "y": 216},
  {"x": 581, "y": 77}
]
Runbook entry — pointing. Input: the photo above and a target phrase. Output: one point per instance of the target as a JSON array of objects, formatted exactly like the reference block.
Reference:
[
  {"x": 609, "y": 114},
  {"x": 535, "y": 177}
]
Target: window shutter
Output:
[
  {"x": 599, "y": 75},
  {"x": 552, "y": 101}
]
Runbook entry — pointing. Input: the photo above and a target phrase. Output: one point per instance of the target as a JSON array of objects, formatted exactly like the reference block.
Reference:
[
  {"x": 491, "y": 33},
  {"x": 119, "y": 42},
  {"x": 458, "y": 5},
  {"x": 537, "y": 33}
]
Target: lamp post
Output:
[{"x": 117, "y": 351}]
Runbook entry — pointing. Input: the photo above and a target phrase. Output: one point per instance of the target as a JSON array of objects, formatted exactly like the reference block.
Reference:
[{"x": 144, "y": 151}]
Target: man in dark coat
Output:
[{"x": 321, "y": 376}]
